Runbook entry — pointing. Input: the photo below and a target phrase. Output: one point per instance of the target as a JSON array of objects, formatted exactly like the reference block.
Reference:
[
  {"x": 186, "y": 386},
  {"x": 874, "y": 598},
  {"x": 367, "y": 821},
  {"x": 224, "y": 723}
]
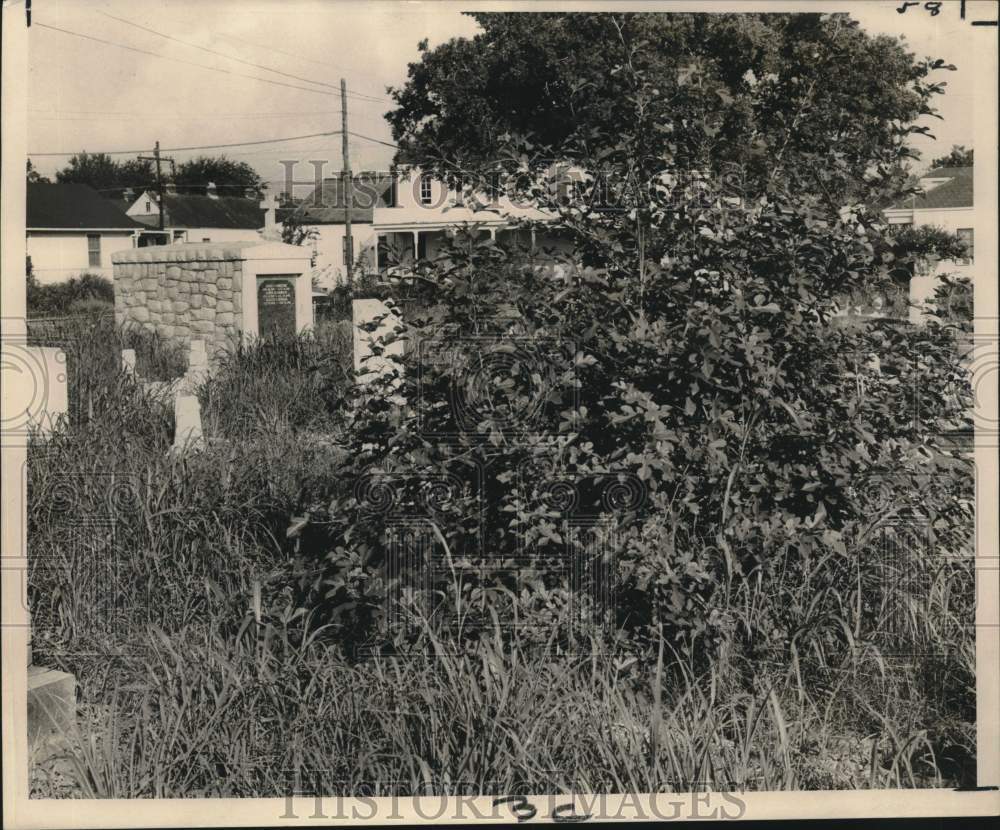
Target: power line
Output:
[
  {"x": 220, "y": 54},
  {"x": 197, "y": 147},
  {"x": 303, "y": 58},
  {"x": 376, "y": 140},
  {"x": 97, "y": 115},
  {"x": 179, "y": 60},
  {"x": 213, "y": 52}
]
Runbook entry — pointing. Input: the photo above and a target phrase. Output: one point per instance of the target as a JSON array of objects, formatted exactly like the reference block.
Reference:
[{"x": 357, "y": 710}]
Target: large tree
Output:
[
  {"x": 109, "y": 177},
  {"x": 806, "y": 90},
  {"x": 231, "y": 178},
  {"x": 958, "y": 157},
  {"x": 687, "y": 346},
  {"x": 33, "y": 176}
]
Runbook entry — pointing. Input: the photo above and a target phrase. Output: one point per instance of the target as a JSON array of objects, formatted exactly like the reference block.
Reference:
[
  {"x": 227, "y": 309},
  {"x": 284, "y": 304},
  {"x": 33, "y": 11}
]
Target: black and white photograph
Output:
[{"x": 430, "y": 412}]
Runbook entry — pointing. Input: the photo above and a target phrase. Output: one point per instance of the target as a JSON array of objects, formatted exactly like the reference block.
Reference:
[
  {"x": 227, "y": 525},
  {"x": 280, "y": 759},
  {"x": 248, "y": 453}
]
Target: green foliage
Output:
[
  {"x": 231, "y": 178},
  {"x": 293, "y": 232},
  {"x": 33, "y": 176},
  {"x": 958, "y": 157},
  {"x": 765, "y": 493},
  {"x": 810, "y": 91},
  {"x": 107, "y": 176},
  {"x": 66, "y": 297}
]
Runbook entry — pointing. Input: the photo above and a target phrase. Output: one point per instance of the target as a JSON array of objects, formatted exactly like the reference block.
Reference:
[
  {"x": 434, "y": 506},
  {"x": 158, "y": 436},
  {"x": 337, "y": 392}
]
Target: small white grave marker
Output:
[
  {"x": 128, "y": 361},
  {"x": 187, "y": 423}
]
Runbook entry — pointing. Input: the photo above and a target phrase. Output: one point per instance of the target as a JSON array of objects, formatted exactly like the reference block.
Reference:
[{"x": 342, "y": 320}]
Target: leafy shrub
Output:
[{"x": 78, "y": 295}]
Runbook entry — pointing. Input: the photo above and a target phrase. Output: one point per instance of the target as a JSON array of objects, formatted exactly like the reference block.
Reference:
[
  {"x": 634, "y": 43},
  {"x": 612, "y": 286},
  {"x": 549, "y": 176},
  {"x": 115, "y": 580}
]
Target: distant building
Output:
[
  {"x": 946, "y": 202},
  {"x": 322, "y": 214},
  {"x": 72, "y": 229},
  {"x": 398, "y": 219},
  {"x": 425, "y": 212},
  {"x": 192, "y": 217}
]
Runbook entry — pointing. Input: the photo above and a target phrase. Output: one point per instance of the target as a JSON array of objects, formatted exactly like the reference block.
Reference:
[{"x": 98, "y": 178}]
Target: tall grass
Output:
[
  {"x": 167, "y": 584},
  {"x": 269, "y": 386}
]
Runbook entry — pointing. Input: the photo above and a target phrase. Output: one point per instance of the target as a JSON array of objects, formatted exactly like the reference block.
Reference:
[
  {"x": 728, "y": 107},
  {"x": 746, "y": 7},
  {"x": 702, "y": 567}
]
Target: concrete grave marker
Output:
[
  {"x": 128, "y": 361},
  {"x": 187, "y": 423}
]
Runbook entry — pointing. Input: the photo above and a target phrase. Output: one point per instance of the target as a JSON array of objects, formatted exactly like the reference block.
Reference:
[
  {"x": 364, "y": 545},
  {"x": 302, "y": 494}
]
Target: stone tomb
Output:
[{"x": 216, "y": 292}]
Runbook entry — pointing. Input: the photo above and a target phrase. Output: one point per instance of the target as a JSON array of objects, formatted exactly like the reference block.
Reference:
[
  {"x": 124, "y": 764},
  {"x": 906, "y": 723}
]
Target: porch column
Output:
[{"x": 416, "y": 244}]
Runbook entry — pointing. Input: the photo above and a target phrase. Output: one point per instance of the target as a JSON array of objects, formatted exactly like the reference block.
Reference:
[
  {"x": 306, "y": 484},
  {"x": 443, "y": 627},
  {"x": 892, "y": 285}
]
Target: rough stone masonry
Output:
[{"x": 183, "y": 293}]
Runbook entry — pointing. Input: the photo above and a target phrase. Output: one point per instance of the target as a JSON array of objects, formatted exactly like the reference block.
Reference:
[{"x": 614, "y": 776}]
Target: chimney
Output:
[{"x": 211, "y": 192}]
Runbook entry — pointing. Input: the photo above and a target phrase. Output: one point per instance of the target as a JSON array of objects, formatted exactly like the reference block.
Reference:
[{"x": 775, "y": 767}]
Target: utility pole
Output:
[
  {"x": 348, "y": 186},
  {"x": 159, "y": 178}
]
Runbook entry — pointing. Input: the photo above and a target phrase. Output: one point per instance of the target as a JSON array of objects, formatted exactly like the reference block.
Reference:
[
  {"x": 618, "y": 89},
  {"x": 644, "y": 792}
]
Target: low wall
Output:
[{"x": 182, "y": 295}]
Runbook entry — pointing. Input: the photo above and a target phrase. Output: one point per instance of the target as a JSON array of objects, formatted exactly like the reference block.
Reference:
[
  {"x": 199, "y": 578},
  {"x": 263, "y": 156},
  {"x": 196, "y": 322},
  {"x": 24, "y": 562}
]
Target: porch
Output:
[{"x": 404, "y": 248}]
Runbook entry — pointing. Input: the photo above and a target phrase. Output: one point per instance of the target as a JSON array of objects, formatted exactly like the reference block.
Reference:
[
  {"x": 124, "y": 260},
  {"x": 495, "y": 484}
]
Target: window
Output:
[
  {"x": 967, "y": 236},
  {"x": 426, "y": 196},
  {"x": 348, "y": 248},
  {"x": 94, "y": 250},
  {"x": 181, "y": 236},
  {"x": 149, "y": 206},
  {"x": 206, "y": 239}
]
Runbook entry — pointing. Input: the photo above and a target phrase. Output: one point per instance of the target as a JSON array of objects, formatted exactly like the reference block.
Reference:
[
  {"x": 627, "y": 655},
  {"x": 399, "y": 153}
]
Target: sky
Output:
[{"x": 89, "y": 95}]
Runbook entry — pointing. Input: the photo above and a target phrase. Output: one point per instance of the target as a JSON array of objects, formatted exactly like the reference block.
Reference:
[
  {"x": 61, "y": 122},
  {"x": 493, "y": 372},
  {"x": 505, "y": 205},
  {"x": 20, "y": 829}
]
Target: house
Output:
[
  {"x": 72, "y": 229},
  {"x": 321, "y": 214},
  {"x": 396, "y": 219},
  {"x": 193, "y": 217},
  {"x": 424, "y": 212},
  {"x": 946, "y": 202}
]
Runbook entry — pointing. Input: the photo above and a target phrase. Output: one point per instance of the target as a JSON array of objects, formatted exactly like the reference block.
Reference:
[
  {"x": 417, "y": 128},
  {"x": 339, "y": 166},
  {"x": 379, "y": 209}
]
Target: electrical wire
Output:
[
  {"x": 188, "y": 63},
  {"x": 185, "y": 149},
  {"x": 233, "y": 58}
]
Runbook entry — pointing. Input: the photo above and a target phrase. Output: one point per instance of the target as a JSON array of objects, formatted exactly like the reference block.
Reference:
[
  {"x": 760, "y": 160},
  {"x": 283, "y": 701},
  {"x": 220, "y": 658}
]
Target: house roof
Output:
[
  {"x": 955, "y": 193},
  {"x": 325, "y": 205},
  {"x": 194, "y": 211},
  {"x": 73, "y": 206}
]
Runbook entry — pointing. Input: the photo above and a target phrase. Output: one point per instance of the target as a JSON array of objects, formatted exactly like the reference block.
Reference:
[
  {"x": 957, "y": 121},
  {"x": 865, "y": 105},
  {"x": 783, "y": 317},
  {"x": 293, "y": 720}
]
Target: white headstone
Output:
[
  {"x": 187, "y": 423},
  {"x": 128, "y": 361},
  {"x": 197, "y": 370}
]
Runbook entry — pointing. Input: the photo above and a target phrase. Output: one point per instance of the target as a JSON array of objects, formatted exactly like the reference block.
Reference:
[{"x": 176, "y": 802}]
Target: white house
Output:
[
  {"x": 72, "y": 229},
  {"x": 399, "y": 218},
  {"x": 946, "y": 202},
  {"x": 322, "y": 214},
  {"x": 425, "y": 211},
  {"x": 193, "y": 217}
]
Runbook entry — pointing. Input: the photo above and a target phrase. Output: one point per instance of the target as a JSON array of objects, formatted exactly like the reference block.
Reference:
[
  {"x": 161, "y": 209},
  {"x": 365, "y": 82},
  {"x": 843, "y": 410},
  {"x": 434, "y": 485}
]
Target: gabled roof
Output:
[
  {"x": 325, "y": 205},
  {"x": 72, "y": 207},
  {"x": 955, "y": 193},
  {"x": 192, "y": 211}
]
